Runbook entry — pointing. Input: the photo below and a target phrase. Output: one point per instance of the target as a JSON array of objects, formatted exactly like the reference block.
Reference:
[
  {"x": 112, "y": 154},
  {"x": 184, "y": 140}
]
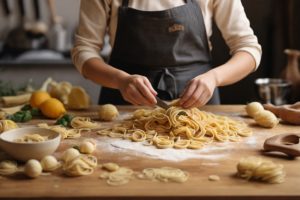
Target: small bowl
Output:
[
  {"x": 32, "y": 150},
  {"x": 273, "y": 90}
]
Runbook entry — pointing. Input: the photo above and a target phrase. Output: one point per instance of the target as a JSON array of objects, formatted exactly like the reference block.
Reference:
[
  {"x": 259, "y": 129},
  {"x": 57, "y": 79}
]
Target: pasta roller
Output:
[{"x": 286, "y": 143}]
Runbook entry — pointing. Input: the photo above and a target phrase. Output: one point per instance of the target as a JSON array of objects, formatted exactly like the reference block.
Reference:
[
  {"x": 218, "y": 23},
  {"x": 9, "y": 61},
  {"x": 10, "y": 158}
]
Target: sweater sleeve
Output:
[
  {"x": 231, "y": 19},
  {"x": 89, "y": 37}
]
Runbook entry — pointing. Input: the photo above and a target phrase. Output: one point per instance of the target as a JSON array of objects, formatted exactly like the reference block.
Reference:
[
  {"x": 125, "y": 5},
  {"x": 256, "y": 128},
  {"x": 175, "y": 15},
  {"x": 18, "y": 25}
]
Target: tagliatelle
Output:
[
  {"x": 259, "y": 169},
  {"x": 178, "y": 128},
  {"x": 80, "y": 166},
  {"x": 165, "y": 174},
  {"x": 83, "y": 122},
  {"x": 8, "y": 167},
  {"x": 120, "y": 176},
  {"x": 64, "y": 132}
]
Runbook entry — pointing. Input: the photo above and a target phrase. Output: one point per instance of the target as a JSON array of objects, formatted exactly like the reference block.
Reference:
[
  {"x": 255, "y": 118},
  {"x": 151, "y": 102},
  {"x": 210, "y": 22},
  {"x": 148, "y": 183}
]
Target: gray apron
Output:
[{"x": 169, "y": 47}]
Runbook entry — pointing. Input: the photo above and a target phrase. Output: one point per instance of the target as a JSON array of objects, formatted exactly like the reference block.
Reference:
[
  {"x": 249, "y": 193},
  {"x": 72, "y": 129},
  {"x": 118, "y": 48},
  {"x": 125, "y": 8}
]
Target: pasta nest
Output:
[{"x": 178, "y": 128}]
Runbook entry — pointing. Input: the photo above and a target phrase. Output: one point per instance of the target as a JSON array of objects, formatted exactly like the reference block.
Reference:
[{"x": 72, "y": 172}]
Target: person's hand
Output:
[
  {"x": 199, "y": 90},
  {"x": 137, "y": 90}
]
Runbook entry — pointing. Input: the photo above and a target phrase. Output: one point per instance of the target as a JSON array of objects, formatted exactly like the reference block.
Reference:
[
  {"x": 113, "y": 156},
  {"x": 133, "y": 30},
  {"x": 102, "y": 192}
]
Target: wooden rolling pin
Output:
[{"x": 288, "y": 113}]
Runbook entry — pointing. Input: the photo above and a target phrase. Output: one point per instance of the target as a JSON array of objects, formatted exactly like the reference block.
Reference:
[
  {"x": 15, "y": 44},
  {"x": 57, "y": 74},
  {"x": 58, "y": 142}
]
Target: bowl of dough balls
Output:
[{"x": 29, "y": 143}]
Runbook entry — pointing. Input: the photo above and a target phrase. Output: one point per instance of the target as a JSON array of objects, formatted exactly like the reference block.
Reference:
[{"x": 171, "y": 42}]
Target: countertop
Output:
[{"x": 219, "y": 159}]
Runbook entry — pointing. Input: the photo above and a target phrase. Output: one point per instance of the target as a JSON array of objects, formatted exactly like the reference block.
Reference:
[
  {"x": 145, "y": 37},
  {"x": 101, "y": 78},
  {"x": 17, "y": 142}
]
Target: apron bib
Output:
[{"x": 169, "y": 47}]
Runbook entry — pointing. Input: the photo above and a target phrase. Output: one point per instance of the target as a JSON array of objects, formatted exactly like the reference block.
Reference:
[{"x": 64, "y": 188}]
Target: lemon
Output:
[
  {"x": 52, "y": 108},
  {"x": 38, "y": 97}
]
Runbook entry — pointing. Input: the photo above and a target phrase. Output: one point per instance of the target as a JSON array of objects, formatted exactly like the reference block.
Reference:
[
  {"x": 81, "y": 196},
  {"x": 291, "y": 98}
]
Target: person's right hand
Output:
[{"x": 137, "y": 89}]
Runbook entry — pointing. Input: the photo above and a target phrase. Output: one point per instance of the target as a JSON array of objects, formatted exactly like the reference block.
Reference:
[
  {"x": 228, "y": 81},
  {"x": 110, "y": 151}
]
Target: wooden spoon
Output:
[{"x": 286, "y": 143}]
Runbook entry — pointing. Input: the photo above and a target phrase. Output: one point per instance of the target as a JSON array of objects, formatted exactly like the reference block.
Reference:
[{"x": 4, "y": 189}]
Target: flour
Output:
[{"x": 209, "y": 152}]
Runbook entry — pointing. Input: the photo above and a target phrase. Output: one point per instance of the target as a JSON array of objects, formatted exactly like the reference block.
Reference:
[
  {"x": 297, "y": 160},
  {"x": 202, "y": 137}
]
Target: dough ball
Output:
[
  {"x": 110, "y": 167},
  {"x": 33, "y": 168},
  {"x": 49, "y": 163},
  {"x": 108, "y": 112},
  {"x": 266, "y": 119},
  {"x": 253, "y": 108},
  {"x": 87, "y": 147},
  {"x": 70, "y": 154}
]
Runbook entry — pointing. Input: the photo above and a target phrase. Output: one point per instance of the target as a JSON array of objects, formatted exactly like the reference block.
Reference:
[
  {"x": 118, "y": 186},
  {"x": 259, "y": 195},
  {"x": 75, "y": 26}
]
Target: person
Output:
[{"x": 162, "y": 48}]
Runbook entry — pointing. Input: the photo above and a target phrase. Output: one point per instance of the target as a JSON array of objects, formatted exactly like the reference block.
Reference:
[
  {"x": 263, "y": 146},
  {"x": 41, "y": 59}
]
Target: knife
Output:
[{"x": 161, "y": 103}]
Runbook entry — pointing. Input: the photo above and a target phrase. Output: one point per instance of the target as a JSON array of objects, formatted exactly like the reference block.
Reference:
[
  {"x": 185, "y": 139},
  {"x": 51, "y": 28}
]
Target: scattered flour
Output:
[{"x": 209, "y": 152}]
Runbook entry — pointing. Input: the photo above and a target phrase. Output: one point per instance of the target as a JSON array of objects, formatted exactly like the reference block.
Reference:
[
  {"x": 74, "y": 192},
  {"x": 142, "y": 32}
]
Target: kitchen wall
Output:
[
  {"x": 19, "y": 74},
  {"x": 67, "y": 9},
  {"x": 260, "y": 12}
]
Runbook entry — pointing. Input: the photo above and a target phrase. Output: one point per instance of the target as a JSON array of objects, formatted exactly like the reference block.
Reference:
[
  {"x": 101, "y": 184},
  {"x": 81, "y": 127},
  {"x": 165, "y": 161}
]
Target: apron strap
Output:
[
  {"x": 126, "y": 2},
  {"x": 166, "y": 86}
]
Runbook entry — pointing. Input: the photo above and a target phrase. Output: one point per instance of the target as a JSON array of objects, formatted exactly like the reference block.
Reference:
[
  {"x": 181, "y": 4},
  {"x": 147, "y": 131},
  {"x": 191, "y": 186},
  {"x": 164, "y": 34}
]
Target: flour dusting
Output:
[{"x": 209, "y": 152}]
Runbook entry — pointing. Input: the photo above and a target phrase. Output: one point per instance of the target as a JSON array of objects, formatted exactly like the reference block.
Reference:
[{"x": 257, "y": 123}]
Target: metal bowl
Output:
[{"x": 271, "y": 90}]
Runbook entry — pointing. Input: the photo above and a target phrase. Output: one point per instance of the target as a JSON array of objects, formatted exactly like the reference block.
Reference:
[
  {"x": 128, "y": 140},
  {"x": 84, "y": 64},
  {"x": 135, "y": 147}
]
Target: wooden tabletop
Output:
[{"x": 221, "y": 161}]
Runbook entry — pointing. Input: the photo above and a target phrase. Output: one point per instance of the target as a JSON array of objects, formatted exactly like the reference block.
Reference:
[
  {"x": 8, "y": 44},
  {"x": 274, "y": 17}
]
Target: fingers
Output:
[
  {"x": 138, "y": 90},
  {"x": 135, "y": 95},
  {"x": 148, "y": 84},
  {"x": 190, "y": 89},
  {"x": 146, "y": 91},
  {"x": 197, "y": 94}
]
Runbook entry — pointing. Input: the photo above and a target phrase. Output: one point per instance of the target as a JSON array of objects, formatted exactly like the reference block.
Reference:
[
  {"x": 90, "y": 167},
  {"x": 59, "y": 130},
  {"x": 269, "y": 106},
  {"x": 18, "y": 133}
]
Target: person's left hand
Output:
[{"x": 199, "y": 90}]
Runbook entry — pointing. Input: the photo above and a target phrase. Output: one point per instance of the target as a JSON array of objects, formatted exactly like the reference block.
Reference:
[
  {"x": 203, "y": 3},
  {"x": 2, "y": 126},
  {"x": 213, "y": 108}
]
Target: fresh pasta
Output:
[
  {"x": 64, "y": 132},
  {"x": 258, "y": 169},
  {"x": 83, "y": 122},
  {"x": 165, "y": 174},
  {"x": 80, "y": 166},
  {"x": 120, "y": 176},
  {"x": 31, "y": 138},
  {"x": 178, "y": 128},
  {"x": 6, "y": 125},
  {"x": 8, "y": 167}
]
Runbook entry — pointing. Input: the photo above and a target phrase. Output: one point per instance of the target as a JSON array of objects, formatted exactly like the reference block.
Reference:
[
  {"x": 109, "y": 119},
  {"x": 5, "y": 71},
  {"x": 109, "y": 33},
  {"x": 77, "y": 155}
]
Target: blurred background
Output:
[{"x": 36, "y": 37}]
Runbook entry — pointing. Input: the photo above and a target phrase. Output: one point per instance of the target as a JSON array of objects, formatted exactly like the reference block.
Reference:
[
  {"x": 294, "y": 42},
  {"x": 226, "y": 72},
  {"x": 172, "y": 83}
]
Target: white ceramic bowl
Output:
[{"x": 33, "y": 150}]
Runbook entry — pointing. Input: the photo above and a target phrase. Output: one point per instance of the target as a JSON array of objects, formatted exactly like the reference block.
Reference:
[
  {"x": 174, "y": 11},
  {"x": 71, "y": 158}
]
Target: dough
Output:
[
  {"x": 266, "y": 119},
  {"x": 214, "y": 178},
  {"x": 49, "y": 163},
  {"x": 253, "y": 108},
  {"x": 70, "y": 154},
  {"x": 33, "y": 168},
  {"x": 87, "y": 147},
  {"x": 110, "y": 167},
  {"x": 108, "y": 112}
]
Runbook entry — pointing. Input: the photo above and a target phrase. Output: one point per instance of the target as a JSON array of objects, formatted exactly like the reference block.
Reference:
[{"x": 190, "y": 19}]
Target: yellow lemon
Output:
[
  {"x": 38, "y": 97},
  {"x": 52, "y": 108}
]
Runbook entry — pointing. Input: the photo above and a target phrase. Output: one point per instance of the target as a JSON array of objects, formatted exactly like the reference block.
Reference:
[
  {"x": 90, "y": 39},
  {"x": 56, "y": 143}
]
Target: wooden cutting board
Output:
[{"x": 197, "y": 187}]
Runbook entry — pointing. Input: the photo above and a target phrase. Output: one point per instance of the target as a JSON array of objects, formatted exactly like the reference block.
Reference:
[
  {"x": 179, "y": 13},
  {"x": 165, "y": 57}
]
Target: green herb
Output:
[
  {"x": 34, "y": 111},
  {"x": 26, "y": 107},
  {"x": 65, "y": 120},
  {"x": 21, "y": 116}
]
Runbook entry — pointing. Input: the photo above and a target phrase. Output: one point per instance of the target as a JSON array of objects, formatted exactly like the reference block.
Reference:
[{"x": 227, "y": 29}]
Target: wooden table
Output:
[{"x": 197, "y": 187}]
